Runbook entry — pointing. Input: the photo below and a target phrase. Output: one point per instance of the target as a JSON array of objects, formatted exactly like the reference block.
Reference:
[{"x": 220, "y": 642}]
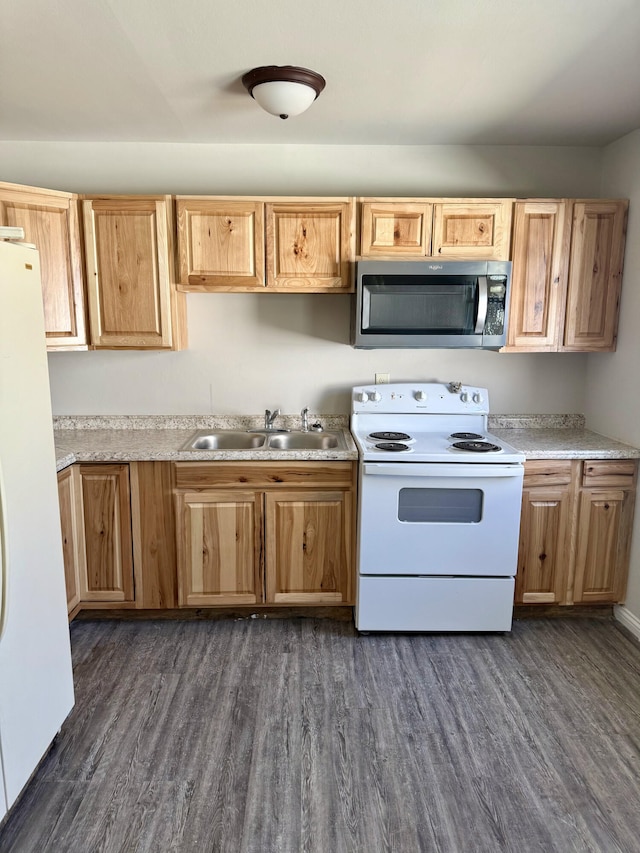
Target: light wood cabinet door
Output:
[
  {"x": 70, "y": 517},
  {"x": 50, "y": 222},
  {"x": 545, "y": 545},
  {"x": 466, "y": 229},
  {"x": 308, "y": 556},
  {"x": 541, "y": 236},
  {"x": 220, "y": 244},
  {"x": 310, "y": 246},
  {"x": 106, "y": 573},
  {"x": 604, "y": 536},
  {"x": 219, "y": 547},
  {"x": 595, "y": 275},
  {"x": 132, "y": 301},
  {"x": 395, "y": 229}
]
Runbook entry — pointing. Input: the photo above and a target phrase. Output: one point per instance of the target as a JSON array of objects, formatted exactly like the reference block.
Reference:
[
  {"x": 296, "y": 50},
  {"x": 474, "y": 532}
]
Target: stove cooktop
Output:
[{"x": 426, "y": 422}]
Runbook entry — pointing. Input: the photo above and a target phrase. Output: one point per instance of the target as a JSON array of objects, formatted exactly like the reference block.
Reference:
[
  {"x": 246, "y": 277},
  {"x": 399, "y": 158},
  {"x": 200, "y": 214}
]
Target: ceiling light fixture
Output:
[{"x": 283, "y": 90}]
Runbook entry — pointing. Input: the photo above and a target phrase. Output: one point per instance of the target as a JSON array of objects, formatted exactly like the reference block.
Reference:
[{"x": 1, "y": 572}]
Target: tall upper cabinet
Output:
[
  {"x": 133, "y": 303},
  {"x": 567, "y": 272},
  {"x": 50, "y": 221}
]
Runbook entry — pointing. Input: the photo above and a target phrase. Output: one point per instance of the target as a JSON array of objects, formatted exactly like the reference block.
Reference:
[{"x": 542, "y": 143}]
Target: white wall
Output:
[
  {"x": 250, "y": 352},
  {"x": 612, "y": 403}
]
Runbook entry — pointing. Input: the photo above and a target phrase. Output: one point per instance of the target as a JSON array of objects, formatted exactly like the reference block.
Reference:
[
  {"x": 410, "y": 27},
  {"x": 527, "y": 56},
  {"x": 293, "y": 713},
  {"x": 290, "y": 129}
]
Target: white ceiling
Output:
[{"x": 409, "y": 72}]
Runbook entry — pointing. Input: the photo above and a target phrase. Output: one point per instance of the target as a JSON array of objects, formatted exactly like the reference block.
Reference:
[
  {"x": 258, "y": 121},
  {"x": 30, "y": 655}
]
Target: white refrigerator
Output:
[{"x": 36, "y": 682}]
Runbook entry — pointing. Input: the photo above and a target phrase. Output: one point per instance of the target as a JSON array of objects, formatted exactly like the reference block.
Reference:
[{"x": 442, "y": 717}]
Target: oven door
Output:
[{"x": 438, "y": 519}]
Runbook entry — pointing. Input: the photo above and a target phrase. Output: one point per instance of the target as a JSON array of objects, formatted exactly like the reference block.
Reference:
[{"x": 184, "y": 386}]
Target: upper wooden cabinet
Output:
[
  {"x": 541, "y": 233},
  {"x": 220, "y": 243},
  {"x": 309, "y": 246},
  {"x": 566, "y": 276},
  {"x": 595, "y": 275},
  {"x": 133, "y": 303},
  {"x": 283, "y": 245},
  {"x": 50, "y": 222},
  {"x": 453, "y": 229}
]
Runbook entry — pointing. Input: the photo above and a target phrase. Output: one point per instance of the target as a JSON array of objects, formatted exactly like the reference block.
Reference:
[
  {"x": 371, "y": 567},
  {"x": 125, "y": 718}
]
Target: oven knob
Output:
[
  {"x": 375, "y": 396},
  {"x": 362, "y": 396},
  {"x": 477, "y": 398},
  {"x": 464, "y": 397},
  {"x": 420, "y": 396}
]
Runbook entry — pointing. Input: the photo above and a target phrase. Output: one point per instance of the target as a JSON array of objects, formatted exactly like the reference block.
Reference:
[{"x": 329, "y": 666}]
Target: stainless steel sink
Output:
[
  {"x": 225, "y": 439},
  {"x": 303, "y": 441},
  {"x": 229, "y": 439}
]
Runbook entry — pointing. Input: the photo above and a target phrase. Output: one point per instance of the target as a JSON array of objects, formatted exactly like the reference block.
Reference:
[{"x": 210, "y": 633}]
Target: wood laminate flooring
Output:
[{"x": 299, "y": 736}]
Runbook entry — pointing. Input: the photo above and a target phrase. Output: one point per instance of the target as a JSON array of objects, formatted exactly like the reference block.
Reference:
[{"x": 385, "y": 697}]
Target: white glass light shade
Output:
[{"x": 284, "y": 98}]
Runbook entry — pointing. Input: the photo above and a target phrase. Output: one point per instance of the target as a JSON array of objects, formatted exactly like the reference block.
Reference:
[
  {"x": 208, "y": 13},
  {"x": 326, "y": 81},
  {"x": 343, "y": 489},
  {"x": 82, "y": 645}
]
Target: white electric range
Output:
[{"x": 439, "y": 510}]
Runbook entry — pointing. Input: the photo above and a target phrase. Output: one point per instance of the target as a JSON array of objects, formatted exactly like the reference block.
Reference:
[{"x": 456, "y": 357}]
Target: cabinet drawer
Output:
[
  {"x": 609, "y": 472},
  {"x": 548, "y": 472},
  {"x": 205, "y": 475}
]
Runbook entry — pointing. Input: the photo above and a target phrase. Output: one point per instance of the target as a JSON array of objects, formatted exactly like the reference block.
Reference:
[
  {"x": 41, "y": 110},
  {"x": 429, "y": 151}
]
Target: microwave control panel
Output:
[{"x": 496, "y": 303}]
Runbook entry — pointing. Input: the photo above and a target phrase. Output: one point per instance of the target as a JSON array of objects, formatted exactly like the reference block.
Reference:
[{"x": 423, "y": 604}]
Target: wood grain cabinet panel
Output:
[
  {"x": 70, "y": 519},
  {"x": 132, "y": 299},
  {"x": 539, "y": 275},
  {"x": 154, "y": 535},
  {"x": 395, "y": 228},
  {"x": 219, "y": 547},
  {"x": 50, "y": 221},
  {"x": 309, "y": 246},
  {"x": 220, "y": 244},
  {"x": 566, "y": 276},
  {"x": 308, "y": 547},
  {"x": 467, "y": 229},
  {"x": 595, "y": 275},
  {"x": 452, "y": 229},
  {"x": 105, "y": 534},
  {"x": 545, "y": 545},
  {"x": 265, "y": 532},
  {"x": 575, "y": 531}
]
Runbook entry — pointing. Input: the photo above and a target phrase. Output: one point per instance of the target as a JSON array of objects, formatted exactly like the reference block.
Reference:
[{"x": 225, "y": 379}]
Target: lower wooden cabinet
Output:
[
  {"x": 308, "y": 537},
  {"x": 67, "y": 497},
  {"x": 575, "y": 531},
  {"x": 219, "y": 547},
  {"x": 265, "y": 533},
  {"x": 105, "y": 545}
]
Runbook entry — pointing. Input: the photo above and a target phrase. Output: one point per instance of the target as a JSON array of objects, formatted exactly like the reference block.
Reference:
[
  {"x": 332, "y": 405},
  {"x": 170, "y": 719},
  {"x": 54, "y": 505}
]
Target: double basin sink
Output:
[{"x": 229, "y": 439}]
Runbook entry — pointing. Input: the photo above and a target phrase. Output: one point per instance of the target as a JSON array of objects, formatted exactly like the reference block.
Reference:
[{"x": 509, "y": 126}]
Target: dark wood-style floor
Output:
[{"x": 262, "y": 736}]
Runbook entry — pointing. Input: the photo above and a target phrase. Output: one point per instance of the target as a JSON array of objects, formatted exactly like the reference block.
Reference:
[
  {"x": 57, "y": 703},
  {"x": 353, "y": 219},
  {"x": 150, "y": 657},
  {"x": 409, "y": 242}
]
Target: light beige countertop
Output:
[
  {"x": 146, "y": 439},
  {"x": 160, "y": 438},
  {"x": 557, "y": 437}
]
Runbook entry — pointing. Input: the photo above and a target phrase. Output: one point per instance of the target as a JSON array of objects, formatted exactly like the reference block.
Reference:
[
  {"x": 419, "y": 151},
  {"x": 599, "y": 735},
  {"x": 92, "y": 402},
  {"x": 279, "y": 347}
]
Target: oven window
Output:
[
  {"x": 440, "y": 506},
  {"x": 399, "y": 305}
]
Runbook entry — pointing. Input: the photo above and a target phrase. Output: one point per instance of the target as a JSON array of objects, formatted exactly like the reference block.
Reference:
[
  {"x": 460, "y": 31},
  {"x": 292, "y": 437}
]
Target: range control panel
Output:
[{"x": 421, "y": 397}]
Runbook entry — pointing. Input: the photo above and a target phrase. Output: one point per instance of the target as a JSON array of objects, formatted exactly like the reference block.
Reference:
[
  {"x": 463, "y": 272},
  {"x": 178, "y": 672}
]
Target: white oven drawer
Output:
[
  {"x": 434, "y": 604},
  {"x": 433, "y": 519}
]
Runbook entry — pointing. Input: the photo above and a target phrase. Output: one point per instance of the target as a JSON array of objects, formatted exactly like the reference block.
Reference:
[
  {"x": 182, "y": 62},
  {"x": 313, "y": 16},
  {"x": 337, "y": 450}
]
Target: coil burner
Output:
[
  {"x": 393, "y": 436},
  {"x": 394, "y": 446},
  {"x": 477, "y": 446},
  {"x": 469, "y": 436}
]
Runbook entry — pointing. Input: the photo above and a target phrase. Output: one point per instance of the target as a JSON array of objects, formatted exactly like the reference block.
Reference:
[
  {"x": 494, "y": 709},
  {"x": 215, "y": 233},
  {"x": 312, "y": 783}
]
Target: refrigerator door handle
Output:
[{"x": 4, "y": 565}]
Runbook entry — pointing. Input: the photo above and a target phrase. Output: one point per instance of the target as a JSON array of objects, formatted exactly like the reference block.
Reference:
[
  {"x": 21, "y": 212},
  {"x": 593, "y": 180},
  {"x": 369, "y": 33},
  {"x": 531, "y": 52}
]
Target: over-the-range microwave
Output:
[{"x": 431, "y": 304}]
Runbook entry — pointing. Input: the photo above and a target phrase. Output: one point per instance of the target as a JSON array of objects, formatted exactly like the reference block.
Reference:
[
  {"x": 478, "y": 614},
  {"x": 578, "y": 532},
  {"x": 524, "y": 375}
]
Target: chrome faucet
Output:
[
  {"x": 304, "y": 414},
  {"x": 269, "y": 418}
]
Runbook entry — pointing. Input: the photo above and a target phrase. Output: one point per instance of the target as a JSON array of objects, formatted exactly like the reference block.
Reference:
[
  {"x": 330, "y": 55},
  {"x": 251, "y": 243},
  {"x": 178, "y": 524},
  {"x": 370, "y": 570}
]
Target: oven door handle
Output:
[
  {"x": 483, "y": 302},
  {"x": 429, "y": 471}
]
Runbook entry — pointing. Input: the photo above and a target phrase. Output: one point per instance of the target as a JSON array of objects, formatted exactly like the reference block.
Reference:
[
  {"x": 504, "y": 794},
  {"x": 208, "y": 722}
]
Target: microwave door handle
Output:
[{"x": 483, "y": 302}]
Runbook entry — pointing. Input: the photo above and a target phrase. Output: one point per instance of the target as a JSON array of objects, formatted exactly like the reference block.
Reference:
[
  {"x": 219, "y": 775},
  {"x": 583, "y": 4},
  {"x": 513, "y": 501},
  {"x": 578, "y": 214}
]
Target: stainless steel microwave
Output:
[{"x": 431, "y": 304}]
